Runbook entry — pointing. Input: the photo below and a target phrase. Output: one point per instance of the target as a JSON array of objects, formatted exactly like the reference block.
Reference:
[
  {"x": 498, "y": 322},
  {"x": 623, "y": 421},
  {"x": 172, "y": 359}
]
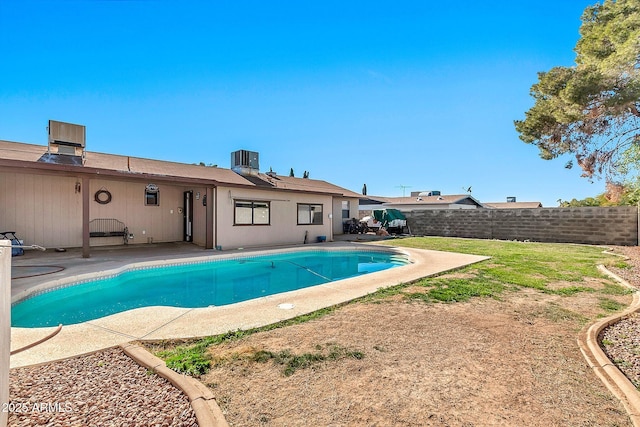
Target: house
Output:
[
  {"x": 51, "y": 194},
  {"x": 418, "y": 201},
  {"x": 511, "y": 203}
]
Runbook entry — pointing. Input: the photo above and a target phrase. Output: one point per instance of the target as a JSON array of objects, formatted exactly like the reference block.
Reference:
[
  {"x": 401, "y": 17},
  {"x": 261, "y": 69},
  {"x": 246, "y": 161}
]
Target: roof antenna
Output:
[{"x": 404, "y": 187}]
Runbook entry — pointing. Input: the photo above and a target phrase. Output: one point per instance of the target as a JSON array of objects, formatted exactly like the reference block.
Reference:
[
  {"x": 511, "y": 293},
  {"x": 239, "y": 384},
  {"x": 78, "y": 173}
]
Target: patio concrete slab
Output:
[
  {"x": 72, "y": 340},
  {"x": 171, "y": 322},
  {"x": 140, "y": 322}
]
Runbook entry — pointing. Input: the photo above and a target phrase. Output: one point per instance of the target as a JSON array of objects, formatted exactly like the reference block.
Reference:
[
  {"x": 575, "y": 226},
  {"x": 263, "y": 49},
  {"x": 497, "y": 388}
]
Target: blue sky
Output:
[{"x": 403, "y": 96}]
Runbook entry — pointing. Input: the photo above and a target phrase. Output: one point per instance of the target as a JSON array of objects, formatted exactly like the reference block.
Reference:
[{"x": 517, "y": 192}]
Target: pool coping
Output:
[{"x": 152, "y": 323}]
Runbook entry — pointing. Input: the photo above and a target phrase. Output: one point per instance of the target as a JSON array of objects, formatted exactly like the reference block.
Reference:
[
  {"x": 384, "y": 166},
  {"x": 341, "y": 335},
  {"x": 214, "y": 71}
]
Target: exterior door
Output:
[{"x": 188, "y": 216}]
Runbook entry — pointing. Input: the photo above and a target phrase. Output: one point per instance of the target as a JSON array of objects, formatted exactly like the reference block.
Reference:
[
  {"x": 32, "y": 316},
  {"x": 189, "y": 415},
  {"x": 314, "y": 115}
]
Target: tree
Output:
[
  {"x": 291, "y": 173},
  {"x": 305, "y": 174},
  {"x": 615, "y": 194},
  {"x": 591, "y": 110}
]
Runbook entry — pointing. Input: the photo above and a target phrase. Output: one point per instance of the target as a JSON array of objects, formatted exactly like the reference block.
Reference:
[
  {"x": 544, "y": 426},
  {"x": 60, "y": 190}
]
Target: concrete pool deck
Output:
[{"x": 151, "y": 323}]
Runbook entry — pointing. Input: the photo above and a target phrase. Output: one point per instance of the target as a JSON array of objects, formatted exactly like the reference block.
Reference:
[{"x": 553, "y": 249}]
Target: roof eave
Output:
[{"x": 69, "y": 170}]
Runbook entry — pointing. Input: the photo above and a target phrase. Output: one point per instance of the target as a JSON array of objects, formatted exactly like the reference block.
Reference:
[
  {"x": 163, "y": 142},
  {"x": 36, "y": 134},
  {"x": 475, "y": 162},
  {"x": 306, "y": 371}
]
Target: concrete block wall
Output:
[{"x": 589, "y": 225}]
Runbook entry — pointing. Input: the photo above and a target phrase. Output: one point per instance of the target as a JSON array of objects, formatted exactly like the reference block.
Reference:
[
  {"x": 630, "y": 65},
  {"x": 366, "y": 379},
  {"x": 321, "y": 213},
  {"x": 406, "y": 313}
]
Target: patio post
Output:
[
  {"x": 210, "y": 229},
  {"x": 85, "y": 217}
]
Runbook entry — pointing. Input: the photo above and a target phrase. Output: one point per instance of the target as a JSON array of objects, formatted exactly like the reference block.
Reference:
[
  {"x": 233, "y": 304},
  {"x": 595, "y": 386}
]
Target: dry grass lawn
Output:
[{"x": 391, "y": 361}]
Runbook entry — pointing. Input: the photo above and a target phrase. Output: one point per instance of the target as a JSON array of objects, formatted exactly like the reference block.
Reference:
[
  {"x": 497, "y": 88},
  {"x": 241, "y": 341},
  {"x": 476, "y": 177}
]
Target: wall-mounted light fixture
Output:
[{"x": 78, "y": 187}]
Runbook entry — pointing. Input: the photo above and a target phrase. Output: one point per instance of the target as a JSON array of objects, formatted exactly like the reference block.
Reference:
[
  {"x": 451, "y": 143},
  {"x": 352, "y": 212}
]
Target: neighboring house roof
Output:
[
  {"x": 307, "y": 184},
  {"x": 433, "y": 200},
  {"x": 30, "y": 156},
  {"x": 513, "y": 205},
  {"x": 372, "y": 200}
]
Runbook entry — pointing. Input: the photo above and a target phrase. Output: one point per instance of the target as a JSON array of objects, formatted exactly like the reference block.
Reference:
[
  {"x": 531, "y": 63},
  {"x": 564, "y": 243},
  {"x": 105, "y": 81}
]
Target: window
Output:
[
  {"x": 151, "y": 195},
  {"x": 345, "y": 209},
  {"x": 309, "y": 214},
  {"x": 248, "y": 212}
]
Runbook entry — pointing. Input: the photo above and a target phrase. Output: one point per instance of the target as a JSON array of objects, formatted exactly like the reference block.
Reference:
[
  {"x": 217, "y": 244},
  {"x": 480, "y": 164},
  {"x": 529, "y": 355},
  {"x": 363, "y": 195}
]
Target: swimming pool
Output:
[{"x": 196, "y": 284}]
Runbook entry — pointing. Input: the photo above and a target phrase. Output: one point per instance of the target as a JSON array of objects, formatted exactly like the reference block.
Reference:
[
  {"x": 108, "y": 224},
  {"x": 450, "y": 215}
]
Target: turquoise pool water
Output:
[{"x": 193, "y": 285}]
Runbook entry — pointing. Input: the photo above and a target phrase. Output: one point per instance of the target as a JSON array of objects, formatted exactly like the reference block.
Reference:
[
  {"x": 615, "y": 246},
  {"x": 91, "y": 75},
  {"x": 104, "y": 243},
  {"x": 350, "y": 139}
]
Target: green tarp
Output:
[{"x": 385, "y": 216}]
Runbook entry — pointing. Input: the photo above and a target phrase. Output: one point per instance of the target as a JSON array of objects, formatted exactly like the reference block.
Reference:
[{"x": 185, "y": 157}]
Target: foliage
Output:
[
  {"x": 291, "y": 174},
  {"x": 615, "y": 195},
  {"x": 193, "y": 360},
  {"x": 610, "y": 305},
  {"x": 292, "y": 362},
  {"x": 590, "y": 110}
]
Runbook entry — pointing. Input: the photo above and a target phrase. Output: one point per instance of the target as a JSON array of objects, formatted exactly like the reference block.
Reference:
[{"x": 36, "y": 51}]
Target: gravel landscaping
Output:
[
  {"x": 106, "y": 388},
  {"x": 621, "y": 341}
]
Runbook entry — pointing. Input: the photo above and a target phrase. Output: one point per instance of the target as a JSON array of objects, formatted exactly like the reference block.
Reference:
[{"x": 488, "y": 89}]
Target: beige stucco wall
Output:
[
  {"x": 283, "y": 215},
  {"x": 41, "y": 209},
  {"x": 337, "y": 212}
]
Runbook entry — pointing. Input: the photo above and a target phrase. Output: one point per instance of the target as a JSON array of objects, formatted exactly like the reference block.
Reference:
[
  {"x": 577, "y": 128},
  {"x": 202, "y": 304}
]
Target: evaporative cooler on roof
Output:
[
  {"x": 66, "y": 138},
  {"x": 245, "y": 162},
  {"x": 66, "y": 144}
]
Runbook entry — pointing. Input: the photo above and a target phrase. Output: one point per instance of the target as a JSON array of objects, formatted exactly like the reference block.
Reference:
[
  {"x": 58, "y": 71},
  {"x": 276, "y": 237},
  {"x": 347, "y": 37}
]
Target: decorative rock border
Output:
[
  {"x": 202, "y": 401},
  {"x": 604, "y": 368}
]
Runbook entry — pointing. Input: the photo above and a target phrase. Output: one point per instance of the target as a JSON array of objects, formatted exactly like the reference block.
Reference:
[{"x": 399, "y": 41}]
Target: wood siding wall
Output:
[
  {"x": 42, "y": 210},
  {"x": 161, "y": 223},
  {"x": 47, "y": 210}
]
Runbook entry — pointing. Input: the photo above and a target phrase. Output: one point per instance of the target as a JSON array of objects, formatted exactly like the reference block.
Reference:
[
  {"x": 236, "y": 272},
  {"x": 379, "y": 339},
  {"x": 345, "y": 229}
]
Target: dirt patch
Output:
[
  {"x": 481, "y": 363},
  {"x": 588, "y": 282}
]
